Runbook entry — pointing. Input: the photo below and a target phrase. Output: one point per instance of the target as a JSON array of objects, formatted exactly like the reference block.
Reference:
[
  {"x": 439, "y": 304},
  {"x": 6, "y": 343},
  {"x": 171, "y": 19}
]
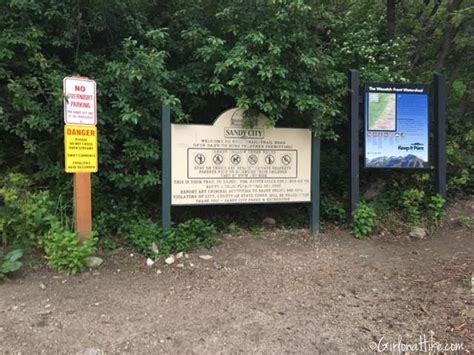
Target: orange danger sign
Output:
[{"x": 80, "y": 149}]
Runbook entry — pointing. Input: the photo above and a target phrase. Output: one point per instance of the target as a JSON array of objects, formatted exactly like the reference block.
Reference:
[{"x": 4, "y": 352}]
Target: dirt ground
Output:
[{"x": 279, "y": 292}]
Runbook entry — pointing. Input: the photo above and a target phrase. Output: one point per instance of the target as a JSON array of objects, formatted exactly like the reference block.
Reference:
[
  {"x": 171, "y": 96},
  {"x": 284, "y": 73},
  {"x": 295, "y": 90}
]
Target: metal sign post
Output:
[
  {"x": 315, "y": 182},
  {"x": 440, "y": 133},
  {"x": 354, "y": 140},
  {"x": 166, "y": 168}
]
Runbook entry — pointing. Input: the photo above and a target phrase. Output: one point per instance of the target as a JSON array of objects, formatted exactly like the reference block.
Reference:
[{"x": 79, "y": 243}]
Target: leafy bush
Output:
[
  {"x": 436, "y": 208},
  {"x": 364, "y": 220},
  {"x": 332, "y": 210},
  {"x": 64, "y": 250},
  {"x": 10, "y": 262},
  {"x": 142, "y": 234},
  {"x": 412, "y": 202},
  {"x": 148, "y": 238},
  {"x": 192, "y": 234},
  {"x": 27, "y": 215},
  {"x": 33, "y": 219},
  {"x": 465, "y": 221}
]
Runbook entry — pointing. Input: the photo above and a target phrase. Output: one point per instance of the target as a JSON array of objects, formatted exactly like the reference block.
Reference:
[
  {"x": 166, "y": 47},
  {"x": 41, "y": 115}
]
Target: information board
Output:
[
  {"x": 80, "y": 149},
  {"x": 80, "y": 102},
  {"x": 227, "y": 163},
  {"x": 396, "y": 126}
]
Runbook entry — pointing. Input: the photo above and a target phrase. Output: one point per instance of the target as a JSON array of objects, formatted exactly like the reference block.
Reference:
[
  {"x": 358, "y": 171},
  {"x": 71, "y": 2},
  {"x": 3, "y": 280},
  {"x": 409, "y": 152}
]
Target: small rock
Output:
[
  {"x": 233, "y": 228},
  {"x": 170, "y": 260},
  {"x": 218, "y": 266},
  {"x": 45, "y": 313},
  {"x": 269, "y": 223},
  {"x": 149, "y": 262},
  {"x": 179, "y": 255},
  {"x": 158, "y": 271},
  {"x": 42, "y": 286},
  {"x": 191, "y": 265},
  {"x": 418, "y": 233},
  {"x": 180, "y": 265},
  {"x": 94, "y": 261},
  {"x": 205, "y": 257}
]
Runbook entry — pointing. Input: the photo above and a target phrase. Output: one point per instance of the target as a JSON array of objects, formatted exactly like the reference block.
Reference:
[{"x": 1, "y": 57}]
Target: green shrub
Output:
[
  {"x": 412, "y": 202},
  {"x": 10, "y": 262},
  {"x": 141, "y": 235},
  {"x": 364, "y": 220},
  {"x": 64, "y": 251},
  {"x": 27, "y": 215},
  {"x": 148, "y": 238},
  {"x": 465, "y": 221},
  {"x": 436, "y": 208},
  {"x": 332, "y": 210}
]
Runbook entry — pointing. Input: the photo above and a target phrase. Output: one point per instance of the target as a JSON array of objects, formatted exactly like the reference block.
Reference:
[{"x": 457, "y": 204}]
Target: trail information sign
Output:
[
  {"x": 227, "y": 163},
  {"x": 396, "y": 126},
  {"x": 80, "y": 143},
  {"x": 80, "y": 105}
]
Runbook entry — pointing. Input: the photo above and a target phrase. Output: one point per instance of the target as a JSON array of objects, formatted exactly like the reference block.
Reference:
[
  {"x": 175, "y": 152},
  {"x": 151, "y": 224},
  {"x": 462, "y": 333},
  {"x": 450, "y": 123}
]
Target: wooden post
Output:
[{"x": 83, "y": 205}]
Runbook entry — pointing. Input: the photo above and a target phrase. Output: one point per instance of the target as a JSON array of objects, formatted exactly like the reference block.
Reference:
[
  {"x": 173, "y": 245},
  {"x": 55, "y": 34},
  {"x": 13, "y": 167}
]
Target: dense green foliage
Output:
[
  {"x": 364, "y": 220},
  {"x": 149, "y": 239},
  {"x": 287, "y": 59},
  {"x": 10, "y": 262},
  {"x": 34, "y": 219},
  {"x": 64, "y": 251}
]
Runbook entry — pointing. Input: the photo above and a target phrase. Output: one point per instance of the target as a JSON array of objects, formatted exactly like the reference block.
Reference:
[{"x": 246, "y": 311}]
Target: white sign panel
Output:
[
  {"x": 227, "y": 163},
  {"x": 80, "y": 105}
]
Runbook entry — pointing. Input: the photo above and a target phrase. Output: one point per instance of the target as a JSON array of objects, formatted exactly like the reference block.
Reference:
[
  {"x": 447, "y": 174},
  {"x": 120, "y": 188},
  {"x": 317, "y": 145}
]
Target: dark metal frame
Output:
[{"x": 436, "y": 100}]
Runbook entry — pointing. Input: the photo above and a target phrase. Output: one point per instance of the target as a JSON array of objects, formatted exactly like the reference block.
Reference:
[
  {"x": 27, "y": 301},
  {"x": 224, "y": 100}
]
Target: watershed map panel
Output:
[{"x": 396, "y": 126}]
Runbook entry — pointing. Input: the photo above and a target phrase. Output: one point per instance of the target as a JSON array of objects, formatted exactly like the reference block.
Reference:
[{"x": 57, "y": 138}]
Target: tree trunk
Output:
[
  {"x": 448, "y": 37},
  {"x": 391, "y": 18}
]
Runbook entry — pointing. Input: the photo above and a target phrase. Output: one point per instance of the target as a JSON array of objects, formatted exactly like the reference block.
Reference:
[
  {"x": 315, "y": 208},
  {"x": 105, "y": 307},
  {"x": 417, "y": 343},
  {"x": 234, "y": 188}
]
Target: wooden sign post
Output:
[
  {"x": 80, "y": 146},
  {"x": 83, "y": 205}
]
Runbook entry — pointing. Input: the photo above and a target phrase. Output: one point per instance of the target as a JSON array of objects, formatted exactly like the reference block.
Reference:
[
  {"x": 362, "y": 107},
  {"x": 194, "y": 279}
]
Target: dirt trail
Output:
[{"x": 279, "y": 293}]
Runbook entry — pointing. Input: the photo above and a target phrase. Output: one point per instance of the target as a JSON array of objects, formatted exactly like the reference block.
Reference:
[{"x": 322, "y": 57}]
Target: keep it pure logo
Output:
[{"x": 413, "y": 146}]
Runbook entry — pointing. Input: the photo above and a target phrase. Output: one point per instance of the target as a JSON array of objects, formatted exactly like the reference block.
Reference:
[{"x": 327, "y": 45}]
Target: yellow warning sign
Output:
[{"x": 80, "y": 149}]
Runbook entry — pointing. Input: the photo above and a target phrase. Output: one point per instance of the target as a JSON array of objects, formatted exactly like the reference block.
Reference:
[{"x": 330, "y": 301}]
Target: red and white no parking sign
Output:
[{"x": 80, "y": 101}]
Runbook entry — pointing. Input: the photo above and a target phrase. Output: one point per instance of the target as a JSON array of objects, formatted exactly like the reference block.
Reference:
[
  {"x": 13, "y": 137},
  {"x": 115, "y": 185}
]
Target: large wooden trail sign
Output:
[
  {"x": 230, "y": 163},
  {"x": 227, "y": 163}
]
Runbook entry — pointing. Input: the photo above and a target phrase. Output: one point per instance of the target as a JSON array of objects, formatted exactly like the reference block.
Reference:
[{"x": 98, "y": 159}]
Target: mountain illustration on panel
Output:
[{"x": 409, "y": 161}]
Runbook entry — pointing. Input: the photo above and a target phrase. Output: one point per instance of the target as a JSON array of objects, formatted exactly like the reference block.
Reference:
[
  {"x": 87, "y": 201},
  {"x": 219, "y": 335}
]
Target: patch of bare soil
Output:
[{"x": 277, "y": 293}]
